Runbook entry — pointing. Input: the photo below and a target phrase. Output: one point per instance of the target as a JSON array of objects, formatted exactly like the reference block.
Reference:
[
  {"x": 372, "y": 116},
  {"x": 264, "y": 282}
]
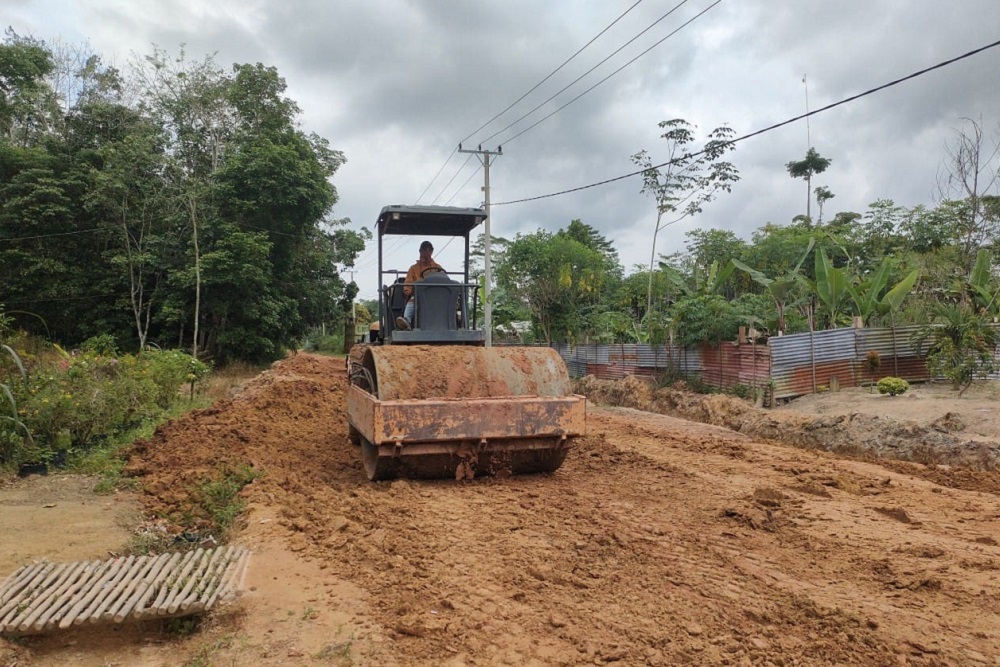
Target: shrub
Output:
[
  {"x": 962, "y": 342},
  {"x": 893, "y": 386},
  {"x": 74, "y": 402}
]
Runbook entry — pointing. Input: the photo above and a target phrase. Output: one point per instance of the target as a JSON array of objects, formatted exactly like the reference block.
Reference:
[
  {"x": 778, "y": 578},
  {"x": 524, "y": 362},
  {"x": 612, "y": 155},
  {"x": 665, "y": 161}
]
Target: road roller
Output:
[{"x": 428, "y": 399}]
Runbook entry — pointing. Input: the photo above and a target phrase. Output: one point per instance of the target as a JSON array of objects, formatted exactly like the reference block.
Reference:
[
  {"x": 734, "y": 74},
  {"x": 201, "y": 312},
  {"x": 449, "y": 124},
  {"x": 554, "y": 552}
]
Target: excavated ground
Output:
[{"x": 659, "y": 542}]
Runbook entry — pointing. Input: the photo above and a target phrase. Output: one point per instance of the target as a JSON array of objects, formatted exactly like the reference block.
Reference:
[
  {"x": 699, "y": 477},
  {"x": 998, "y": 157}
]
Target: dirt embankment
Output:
[
  {"x": 659, "y": 542},
  {"x": 937, "y": 441}
]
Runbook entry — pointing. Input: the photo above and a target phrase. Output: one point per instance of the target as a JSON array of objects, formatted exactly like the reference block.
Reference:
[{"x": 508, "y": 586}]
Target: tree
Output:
[
  {"x": 590, "y": 237},
  {"x": 707, "y": 318},
  {"x": 557, "y": 279},
  {"x": 129, "y": 192},
  {"x": 972, "y": 176},
  {"x": 962, "y": 343},
  {"x": 830, "y": 287},
  {"x": 823, "y": 195},
  {"x": 24, "y": 95},
  {"x": 706, "y": 246},
  {"x": 782, "y": 288},
  {"x": 687, "y": 181},
  {"x": 867, "y": 292},
  {"x": 700, "y": 282},
  {"x": 812, "y": 164}
]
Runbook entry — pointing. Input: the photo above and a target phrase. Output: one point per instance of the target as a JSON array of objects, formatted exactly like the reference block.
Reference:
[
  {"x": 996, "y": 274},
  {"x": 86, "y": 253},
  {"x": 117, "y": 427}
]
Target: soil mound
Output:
[
  {"x": 853, "y": 434},
  {"x": 287, "y": 425}
]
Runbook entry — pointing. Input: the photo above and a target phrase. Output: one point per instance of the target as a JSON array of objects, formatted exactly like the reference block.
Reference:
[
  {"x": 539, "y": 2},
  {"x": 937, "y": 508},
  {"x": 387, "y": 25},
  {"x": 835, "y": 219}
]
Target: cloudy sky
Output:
[{"x": 396, "y": 84}]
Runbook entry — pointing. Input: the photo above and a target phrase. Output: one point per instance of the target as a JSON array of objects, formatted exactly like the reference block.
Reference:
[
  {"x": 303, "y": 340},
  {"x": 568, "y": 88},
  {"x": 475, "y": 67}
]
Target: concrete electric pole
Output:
[{"x": 484, "y": 158}]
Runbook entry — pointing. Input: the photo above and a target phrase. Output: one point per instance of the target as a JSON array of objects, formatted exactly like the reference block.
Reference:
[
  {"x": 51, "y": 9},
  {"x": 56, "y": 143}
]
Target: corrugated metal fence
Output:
[
  {"x": 724, "y": 366},
  {"x": 791, "y": 365}
]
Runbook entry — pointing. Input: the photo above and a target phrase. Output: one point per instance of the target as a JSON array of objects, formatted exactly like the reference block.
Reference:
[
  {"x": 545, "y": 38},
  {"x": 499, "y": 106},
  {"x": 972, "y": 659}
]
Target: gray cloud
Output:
[{"x": 396, "y": 84}]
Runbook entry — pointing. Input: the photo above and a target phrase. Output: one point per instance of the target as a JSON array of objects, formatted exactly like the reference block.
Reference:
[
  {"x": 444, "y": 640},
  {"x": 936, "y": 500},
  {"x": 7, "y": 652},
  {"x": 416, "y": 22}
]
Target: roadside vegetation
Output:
[{"x": 77, "y": 408}]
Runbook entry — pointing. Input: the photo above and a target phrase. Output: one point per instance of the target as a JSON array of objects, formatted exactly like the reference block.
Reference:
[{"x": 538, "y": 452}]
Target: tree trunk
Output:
[
  {"x": 649, "y": 287},
  {"x": 193, "y": 210}
]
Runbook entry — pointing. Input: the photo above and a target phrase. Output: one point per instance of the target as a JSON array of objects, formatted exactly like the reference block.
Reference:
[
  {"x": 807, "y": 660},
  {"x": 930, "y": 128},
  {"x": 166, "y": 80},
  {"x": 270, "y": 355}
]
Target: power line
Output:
[
  {"x": 553, "y": 72},
  {"x": 452, "y": 180},
  {"x": 45, "y": 236},
  {"x": 462, "y": 187},
  {"x": 766, "y": 129},
  {"x": 613, "y": 54},
  {"x": 453, "y": 152},
  {"x": 671, "y": 34},
  {"x": 533, "y": 88}
]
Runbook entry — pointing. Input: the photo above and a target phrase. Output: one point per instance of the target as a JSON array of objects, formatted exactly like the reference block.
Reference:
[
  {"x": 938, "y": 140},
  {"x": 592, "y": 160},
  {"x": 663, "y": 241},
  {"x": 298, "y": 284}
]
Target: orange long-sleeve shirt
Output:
[{"x": 413, "y": 275}]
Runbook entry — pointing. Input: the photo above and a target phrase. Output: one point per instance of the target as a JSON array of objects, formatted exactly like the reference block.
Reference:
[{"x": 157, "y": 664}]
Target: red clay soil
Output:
[{"x": 659, "y": 542}]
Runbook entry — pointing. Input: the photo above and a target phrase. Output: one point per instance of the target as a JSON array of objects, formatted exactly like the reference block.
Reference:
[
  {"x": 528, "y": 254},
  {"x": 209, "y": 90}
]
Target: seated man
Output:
[{"x": 424, "y": 265}]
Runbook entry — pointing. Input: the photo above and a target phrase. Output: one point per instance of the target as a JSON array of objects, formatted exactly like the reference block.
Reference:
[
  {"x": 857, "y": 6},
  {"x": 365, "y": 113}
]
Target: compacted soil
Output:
[{"x": 660, "y": 541}]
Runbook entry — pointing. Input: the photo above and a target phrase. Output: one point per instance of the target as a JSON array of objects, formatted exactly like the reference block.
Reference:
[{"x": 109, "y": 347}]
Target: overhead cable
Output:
[
  {"x": 761, "y": 131},
  {"x": 533, "y": 88},
  {"x": 614, "y": 53}
]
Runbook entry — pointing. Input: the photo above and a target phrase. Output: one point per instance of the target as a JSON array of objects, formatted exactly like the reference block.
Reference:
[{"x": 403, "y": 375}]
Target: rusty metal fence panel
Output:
[
  {"x": 613, "y": 362},
  {"x": 899, "y": 356},
  {"x": 803, "y": 363},
  {"x": 793, "y": 365}
]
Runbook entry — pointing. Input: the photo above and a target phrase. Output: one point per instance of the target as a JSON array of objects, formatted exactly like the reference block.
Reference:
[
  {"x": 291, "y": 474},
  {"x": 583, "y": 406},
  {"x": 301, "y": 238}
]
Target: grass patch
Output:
[
  {"x": 225, "y": 382},
  {"x": 107, "y": 459},
  {"x": 220, "y": 497}
]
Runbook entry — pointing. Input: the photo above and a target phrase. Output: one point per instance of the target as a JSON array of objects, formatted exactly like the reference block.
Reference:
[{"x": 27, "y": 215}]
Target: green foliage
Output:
[
  {"x": 893, "y": 386},
  {"x": 700, "y": 282},
  {"x": 103, "y": 345},
  {"x": 329, "y": 344},
  {"x": 831, "y": 287},
  {"x": 783, "y": 288},
  {"x": 708, "y": 318},
  {"x": 557, "y": 279},
  {"x": 962, "y": 344},
  {"x": 688, "y": 180},
  {"x": 74, "y": 403},
  {"x": 202, "y": 208},
  {"x": 220, "y": 496},
  {"x": 812, "y": 164}
]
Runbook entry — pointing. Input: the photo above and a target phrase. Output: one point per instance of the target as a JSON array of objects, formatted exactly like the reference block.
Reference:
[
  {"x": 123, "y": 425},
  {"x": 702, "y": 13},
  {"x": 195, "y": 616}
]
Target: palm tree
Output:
[{"x": 814, "y": 163}]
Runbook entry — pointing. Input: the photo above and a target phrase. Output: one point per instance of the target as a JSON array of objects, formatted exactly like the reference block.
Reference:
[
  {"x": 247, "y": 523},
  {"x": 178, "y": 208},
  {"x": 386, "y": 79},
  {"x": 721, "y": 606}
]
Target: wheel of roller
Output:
[
  {"x": 555, "y": 460},
  {"x": 376, "y": 467}
]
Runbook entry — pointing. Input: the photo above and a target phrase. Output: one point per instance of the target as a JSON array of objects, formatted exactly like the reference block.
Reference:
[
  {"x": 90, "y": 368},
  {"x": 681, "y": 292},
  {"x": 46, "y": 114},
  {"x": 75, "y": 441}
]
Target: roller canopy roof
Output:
[{"x": 429, "y": 220}]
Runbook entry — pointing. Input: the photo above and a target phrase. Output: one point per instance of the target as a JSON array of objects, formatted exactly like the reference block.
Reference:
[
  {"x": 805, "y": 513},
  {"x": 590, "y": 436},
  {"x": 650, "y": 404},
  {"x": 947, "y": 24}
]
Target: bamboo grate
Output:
[{"x": 46, "y": 596}]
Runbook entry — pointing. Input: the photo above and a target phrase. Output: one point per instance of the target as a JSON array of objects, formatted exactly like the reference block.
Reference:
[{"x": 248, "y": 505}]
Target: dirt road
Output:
[{"x": 659, "y": 542}]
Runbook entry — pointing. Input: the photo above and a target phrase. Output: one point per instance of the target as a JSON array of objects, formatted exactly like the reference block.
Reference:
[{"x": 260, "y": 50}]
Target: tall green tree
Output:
[
  {"x": 26, "y": 100},
  {"x": 687, "y": 180},
  {"x": 558, "y": 279},
  {"x": 813, "y": 163}
]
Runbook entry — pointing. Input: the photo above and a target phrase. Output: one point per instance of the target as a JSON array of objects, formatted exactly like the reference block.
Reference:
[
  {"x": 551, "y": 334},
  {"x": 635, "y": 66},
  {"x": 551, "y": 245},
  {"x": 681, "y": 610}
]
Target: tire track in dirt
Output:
[{"x": 658, "y": 542}]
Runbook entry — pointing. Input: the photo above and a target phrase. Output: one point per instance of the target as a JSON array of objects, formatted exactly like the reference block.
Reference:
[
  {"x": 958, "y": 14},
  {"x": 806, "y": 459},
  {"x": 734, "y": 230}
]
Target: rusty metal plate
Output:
[
  {"x": 434, "y": 420},
  {"x": 448, "y": 371}
]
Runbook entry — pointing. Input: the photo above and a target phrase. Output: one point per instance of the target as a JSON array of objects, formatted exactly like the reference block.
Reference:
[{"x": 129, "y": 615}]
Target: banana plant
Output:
[
  {"x": 866, "y": 293},
  {"x": 893, "y": 299},
  {"x": 700, "y": 283},
  {"x": 7, "y": 393},
  {"x": 979, "y": 282},
  {"x": 782, "y": 288},
  {"x": 831, "y": 286},
  {"x": 868, "y": 297}
]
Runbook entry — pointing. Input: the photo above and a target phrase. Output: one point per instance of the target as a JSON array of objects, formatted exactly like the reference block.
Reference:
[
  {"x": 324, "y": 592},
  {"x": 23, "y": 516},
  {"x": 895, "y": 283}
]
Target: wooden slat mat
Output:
[{"x": 45, "y": 596}]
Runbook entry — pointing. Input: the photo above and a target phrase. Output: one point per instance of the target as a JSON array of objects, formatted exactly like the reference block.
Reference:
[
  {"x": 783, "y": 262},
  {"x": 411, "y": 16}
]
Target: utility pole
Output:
[
  {"x": 484, "y": 158},
  {"x": 354, "y": 307},
  {"x": 805, "y": 85}
]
